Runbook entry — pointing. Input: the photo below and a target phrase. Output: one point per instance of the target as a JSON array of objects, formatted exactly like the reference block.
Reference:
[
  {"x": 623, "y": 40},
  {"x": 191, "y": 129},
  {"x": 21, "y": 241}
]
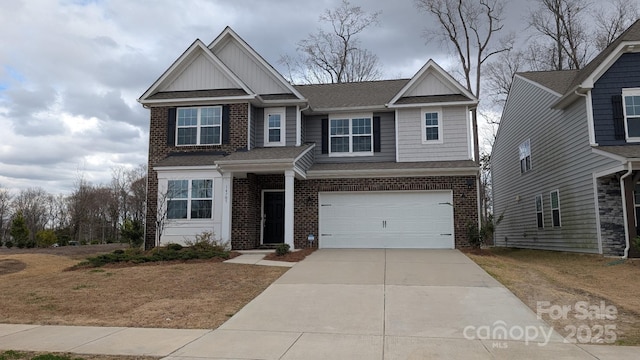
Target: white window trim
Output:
[
  {"x": 189, "y": 199},
  {"x": 520, "y": 158},
  {"x": 539, "y": 196},
  {"x": 199, "y": 126},
  {"x": 283, "y": 126},
  {"x": 558, "y": 208},
  {"x": 628, "y": 92},
  {"x": 350, "y": 117},
  {"x": 423, "y": 126}
]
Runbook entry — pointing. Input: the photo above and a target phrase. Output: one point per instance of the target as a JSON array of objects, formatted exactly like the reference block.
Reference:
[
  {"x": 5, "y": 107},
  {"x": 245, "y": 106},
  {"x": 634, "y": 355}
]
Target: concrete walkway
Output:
[{"x": 348, "y": 304}]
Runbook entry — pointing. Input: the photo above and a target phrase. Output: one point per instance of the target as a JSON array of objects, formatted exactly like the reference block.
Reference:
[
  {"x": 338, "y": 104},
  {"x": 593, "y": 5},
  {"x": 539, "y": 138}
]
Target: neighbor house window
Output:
[
  {"x": 274, "y": 127},
  {"x": 199, "y": 126},
  {"x": 189, "y": 199},
  {"x": 525, "y": 156},
  {"x": 555, "y": 207},
  {"x": 431, "y": 125},
  {"x": 539, "y": 212},
  {"x": 631, "y": 98},
  {"x": 351, "y": 136}
]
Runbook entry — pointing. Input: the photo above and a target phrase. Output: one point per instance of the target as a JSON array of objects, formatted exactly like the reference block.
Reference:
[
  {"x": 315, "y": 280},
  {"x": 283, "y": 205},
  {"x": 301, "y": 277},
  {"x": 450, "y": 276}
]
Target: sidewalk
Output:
[{"x": 343, "y": 304}]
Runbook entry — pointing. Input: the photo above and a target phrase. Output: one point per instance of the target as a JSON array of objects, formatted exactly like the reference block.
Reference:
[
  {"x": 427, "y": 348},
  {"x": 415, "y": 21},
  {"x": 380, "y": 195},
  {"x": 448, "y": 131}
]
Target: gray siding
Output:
[
  {"x": 290, "y": 123},
  {"x": 306, "y": 161},
  {"x": 561, "y": 159},
  {"x": 313, "y": 134},
  {"x": 455, "y": 140},
  {"x": 623, "y": 74}
]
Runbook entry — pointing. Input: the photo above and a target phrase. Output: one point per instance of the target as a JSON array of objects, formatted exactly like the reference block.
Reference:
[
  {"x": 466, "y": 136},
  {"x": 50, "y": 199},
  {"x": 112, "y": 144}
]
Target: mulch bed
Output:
[{"x": 293, "y": 256}]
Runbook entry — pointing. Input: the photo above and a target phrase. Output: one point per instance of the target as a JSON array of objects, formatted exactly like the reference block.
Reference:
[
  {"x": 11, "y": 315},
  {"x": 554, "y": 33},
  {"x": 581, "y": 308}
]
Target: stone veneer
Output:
[
  {"x": 247, "y": 202},
  {"x": 611, "y": 216},
  {"x": 159, "y": 149}
]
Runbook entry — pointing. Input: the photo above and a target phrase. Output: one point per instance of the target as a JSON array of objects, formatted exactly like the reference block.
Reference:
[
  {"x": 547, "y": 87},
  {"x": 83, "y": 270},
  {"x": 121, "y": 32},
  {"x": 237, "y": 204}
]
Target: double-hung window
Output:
[
  {"x": 190, "y": 199},
  {"x": 351, "y": 135},
  {"x": 539, "y": 212},
  {"x": 431, "y": 125},
  {"x": 631, "y": 98},
  {"x": 199, "y": 126},
  {"x": 274, "y": 127},
  {"x": 524, "y": 151},
  {"x": 555, "y": 207}
]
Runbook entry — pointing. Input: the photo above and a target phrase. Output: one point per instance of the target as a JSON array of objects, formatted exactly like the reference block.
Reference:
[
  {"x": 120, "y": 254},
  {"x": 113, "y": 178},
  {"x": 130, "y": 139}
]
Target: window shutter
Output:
[
  {"x": 226, "y": 124},
  {"x": 376, "y": 134},
  {"x": 171, "y": 127},
  {"x": 618, "y": 117},
  {"x": 325, "y": 136}
]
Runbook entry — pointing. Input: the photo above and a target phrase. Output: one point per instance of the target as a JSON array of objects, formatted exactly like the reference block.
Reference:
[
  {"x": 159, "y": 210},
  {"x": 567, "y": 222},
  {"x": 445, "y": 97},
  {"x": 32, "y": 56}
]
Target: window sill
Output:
[
  {"x": 280, "y": 144},
  {"x": 432, "y": 142},
  {"x": 350, "y": 154}
]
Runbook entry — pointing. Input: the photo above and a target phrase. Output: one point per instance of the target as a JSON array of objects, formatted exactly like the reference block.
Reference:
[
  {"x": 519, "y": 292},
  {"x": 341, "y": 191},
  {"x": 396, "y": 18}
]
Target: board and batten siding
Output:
[
  {"x": 249, "y": 70},
  {"x": 561, "y": 159},
  {"x": 313, "y": 134},
  {"x": 201, "y": 74},
  {"x": 455, "y": 136},
  {"x": 622, "y": 74}
]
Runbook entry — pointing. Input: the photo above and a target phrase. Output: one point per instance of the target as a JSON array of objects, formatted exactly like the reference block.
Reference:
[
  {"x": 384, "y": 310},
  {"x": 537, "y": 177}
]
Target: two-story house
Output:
[
  {"x": 237, "y": 150},
  {"x": 566, "y": 159}
]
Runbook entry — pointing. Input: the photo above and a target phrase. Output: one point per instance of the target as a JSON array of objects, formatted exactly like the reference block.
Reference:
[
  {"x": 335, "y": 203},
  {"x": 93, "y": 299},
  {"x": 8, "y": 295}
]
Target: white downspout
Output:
[{"x": 624, "y": 209}]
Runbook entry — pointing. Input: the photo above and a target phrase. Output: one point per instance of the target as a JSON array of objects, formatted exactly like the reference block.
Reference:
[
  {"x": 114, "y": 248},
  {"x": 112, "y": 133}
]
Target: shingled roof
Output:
[
  {"x": 565, "y": 81},
  {"x": 345, "y": 95}
]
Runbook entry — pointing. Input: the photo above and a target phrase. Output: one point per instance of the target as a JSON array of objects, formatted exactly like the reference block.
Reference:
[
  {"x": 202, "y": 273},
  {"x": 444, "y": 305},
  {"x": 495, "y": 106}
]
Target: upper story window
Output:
[
  {"x": 274, "y": 127},
  {"x": 431, "y": 126},
  {"x": 199, "y": 126},
  {"x": 190, "y": 199},
  {"x": 555, "y": 207},
  {"x": 524, "y": 151},
  {"x": 539, "y": 212},
  {"x": 351, "y": 136},
  {"x": 631, "y": 99}
]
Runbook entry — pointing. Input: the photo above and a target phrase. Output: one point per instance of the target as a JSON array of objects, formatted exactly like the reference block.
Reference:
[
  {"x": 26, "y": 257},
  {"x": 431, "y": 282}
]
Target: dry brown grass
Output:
[
  {"x": 566, "y": 278},
  {"x": 27, "y": 355},
  {"x": 199, "y": 295}
]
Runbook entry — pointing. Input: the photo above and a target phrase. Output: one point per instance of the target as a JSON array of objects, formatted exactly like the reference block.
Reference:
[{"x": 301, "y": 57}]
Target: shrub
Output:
[
  {"x": 478, "y": 237},
  {"x": 46, "y": 238},
  {"x": 282, "y": 249},
  {"x": 8, "y": 244},
  {"x": 206, "y": 241},
  {"x": 636, "y": 243},
  {"x": 174, "y": 247},
  {"x": 133, "y": 232}
]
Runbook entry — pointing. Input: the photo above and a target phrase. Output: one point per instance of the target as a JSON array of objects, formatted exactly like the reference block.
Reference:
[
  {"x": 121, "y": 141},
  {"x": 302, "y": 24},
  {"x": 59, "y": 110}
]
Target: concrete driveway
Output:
[{"x": 387, "y": 304}]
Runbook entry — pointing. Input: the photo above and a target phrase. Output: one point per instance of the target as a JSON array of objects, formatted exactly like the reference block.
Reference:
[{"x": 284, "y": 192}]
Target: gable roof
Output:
[
  {"x": 196, "y": 49},
  {"x": 357, "y": 95},
  {"x": 446, "y": 79},
  {"x": 567, "y": 82},
  {"x": 228, "y": 35}
]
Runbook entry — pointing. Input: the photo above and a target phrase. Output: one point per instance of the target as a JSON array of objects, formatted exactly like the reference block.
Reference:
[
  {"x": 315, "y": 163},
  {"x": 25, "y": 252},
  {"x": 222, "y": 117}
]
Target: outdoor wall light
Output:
[{"x": 311, "y": 239}]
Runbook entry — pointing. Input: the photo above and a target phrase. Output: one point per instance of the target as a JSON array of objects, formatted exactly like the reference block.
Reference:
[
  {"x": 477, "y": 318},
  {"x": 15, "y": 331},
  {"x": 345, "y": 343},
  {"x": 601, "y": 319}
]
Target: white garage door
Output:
[{"x": 389, "y": 219}]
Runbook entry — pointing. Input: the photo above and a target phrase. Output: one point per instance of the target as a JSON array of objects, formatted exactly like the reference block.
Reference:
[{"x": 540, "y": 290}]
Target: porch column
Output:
[
  {"x": 227, "y": 200},
  {"x": 288, "y": 207}
]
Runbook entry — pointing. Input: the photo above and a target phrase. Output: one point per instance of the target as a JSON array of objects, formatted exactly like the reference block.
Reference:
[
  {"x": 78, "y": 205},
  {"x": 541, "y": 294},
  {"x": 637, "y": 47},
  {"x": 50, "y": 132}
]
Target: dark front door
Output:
[{"x": 273, "y": 217}]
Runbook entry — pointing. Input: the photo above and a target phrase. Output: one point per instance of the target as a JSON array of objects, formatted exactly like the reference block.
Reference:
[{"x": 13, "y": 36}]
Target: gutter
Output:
[{"x": 624, "y": 209}]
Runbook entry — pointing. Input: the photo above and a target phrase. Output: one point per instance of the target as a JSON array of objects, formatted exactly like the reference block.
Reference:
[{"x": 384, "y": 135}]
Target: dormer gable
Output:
[{"x": 431, "y": 84}]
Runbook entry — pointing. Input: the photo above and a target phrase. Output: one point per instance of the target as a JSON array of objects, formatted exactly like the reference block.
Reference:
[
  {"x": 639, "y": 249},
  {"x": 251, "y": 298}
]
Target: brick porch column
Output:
[{"x": 288, "y": 207}]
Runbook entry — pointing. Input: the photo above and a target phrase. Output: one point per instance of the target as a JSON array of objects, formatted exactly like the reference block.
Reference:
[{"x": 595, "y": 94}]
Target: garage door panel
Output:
[{"x": 386, "y": 219}]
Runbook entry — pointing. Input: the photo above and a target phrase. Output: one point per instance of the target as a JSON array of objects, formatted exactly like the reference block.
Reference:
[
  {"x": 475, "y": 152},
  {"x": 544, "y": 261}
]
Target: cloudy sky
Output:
[{"x": 71, "y": 70}]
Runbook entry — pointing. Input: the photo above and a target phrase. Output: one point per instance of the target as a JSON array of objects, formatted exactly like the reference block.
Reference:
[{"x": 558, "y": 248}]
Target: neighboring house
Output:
[
  {"x": 236, "y": 150},
  {"x": 566, "y": 158}
]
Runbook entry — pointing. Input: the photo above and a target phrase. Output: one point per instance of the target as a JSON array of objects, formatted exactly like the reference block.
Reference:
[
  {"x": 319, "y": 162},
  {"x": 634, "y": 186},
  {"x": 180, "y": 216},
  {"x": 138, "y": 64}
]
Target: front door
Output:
[{"x": 273, "y": 217}]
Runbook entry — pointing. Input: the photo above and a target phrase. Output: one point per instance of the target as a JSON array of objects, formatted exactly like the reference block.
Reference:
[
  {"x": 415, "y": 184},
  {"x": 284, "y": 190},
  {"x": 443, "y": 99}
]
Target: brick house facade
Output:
[{"x": 261, "y": 162}]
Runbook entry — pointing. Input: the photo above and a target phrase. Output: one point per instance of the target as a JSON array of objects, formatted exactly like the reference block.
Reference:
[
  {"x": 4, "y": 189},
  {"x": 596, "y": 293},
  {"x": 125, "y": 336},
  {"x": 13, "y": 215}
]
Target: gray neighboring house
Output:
[
  {"x": 566, "y": 161},
  {"x": 236, "y": 150}
]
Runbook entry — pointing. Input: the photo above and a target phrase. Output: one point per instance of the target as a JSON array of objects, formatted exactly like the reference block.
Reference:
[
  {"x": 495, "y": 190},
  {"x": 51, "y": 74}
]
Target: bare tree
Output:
[
  {"x": 562, "y": 22},
  {"x": 32, "y": 203},
  {"x": 499, "y": 75},
  {"x": 334, "y": 56},
  {"x": 5, "y": 213},
  {"x": 469, "y": 27},
  {"x": 611, "y": 23}
]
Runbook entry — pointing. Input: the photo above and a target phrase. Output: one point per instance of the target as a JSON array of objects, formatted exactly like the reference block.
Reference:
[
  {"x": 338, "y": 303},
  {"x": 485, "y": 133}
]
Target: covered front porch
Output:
[{"x": 261, "y": 186}]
